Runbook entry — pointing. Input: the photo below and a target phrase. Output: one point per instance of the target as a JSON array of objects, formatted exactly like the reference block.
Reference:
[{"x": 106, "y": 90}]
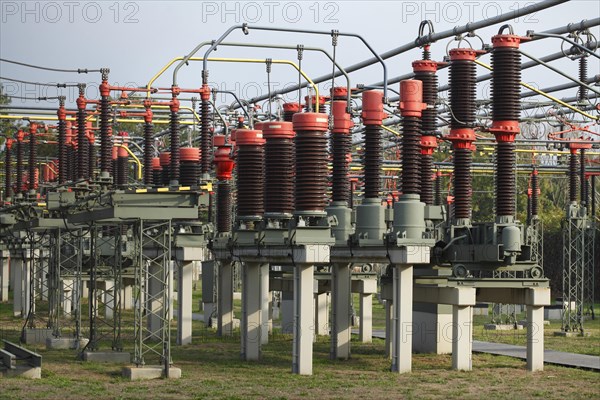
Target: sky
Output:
[{"x": 135, "y": 39}]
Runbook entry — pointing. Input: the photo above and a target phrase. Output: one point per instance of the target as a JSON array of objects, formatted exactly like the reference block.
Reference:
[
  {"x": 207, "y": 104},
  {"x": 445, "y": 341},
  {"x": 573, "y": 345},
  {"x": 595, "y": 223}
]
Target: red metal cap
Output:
[
  {"x": 165, "y": 158},
  {"x": 249, "y": 137},
  {"x": 277, "y": 130},
  {"x": 372, "y": 107},
  {"x": 189, "y": 154},
  {"x": 424, "y": 66},
  {"x": 223, "y": 162},
  {"x": 411, "y": 95},
  {"x": 322, "y": 100},
  {"x": 122, "y": 153},
  {"x": 461, "y": 138},
  {"x": 464, "y": 54},
  {"x": 574, "y": 146},
  {"x": 508, "y": 40},
  {"x": 428, "y": 144},
  {"x": 156, "y": 164},
  {"x": 115, "y": 152},
  {"x": 339, "y": 92},
  {"x": 505, "y": 131},
  {"x": 342, "y": 121},
  {"x": 292, "y": 107},
  {"x": 218, "y": 140},
  {"x": 9, "y": 143},
  {"x": 310, "y": 122},
  {"x": 104, "y": 89}
]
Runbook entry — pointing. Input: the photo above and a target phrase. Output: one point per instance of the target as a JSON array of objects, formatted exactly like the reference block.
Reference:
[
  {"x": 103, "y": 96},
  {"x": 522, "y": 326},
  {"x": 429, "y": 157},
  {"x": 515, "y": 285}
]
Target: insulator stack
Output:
[
  {"x": 91, "y": 155},
  {"x": 62, "y": 142},
  {"x": 19, "y": 171},
  {"x": 148, "y": 151},
  {"x": 411, "y": 108},
  {"x": 428, "y": 145},
  {"x": 223, "y": 169},
  {"x": 341, "y": 147},
  {"x": 165, "y": 162},
  {"x": 311, "y": 162},
  {"x": 372, "y": 115},
  {"x": 279, "y": 167},
  {"x": 205, "y": 136},
  {"x": 33, "y": 185},
  {"x": 425, "y": 71},
  {"x": 289, "y": 109},
  {"x": 8, "y": 168},
  {"x": 71, "y": 162},
  {"x": 250, "y": 173},
  {"x": 189, "y": 167},
  {"x": 156, "y": 172},
  {"x": 105, "y": 130},
  {"x": 535, "y": 193},
  {"x": 506, "y": 110},
  {"x": 115, "y": 162},
  {"x": 583, "y": 69},
  {"x": 224, "y": 206},
  {"x": 122, "y": 172},
  {"x": 175, "y": 141},
  {"x": 426, "y": 52},
  {"x": 462, "y": 135},
  {"x": 582, "y": 185},
  {"x": 313, "y": 103},
  {"x": 438, "y": 189},
  {"x": 82, "y": 141},
  {"x": 573, "y": 175}
]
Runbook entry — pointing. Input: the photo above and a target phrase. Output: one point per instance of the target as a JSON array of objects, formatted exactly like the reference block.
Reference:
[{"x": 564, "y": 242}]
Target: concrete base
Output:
[
  {"x": 432, "y": 328},
  {"x": 65, "y": 343},
  {"x": 22, "y": 371},
  {"x": 571, "y": 334},
  {"x": 150, "y": 372},
  {"x": 37, "y": 335},
  {"x": 502, "y": 327},
  {"x": 107, "y": 357}
]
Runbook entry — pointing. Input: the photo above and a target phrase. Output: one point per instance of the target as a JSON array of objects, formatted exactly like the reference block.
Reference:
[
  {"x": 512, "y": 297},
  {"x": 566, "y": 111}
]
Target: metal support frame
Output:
[{"x": 37, "y": 264}]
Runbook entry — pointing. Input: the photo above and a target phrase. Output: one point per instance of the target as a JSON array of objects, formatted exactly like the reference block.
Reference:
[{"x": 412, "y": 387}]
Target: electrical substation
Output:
[{"x": 112, "y": 207}]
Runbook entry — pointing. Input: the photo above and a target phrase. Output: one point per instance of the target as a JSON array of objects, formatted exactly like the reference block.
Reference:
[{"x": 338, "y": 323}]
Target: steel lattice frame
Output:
[
  {"x": 588, "y": 269},
  {"x": 504, "y": 313},
  {"x": 535, "y": 239},
  {"x": 38, "y": 284},
  {"x": 151, "y": 292},
  {"x": 574, "y": 242}
]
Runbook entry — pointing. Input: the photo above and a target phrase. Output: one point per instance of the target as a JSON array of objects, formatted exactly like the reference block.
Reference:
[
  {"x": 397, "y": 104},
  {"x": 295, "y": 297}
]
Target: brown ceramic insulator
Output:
[
  {"x": 311, "y": 171},
  {"x": 32, "y": 161},
  {"x": 372, "y": 159},
  {"x": 82, "y": 145},
  {"x": 505, "y": 178},
  {"x": 289, "y": 109},
  {"x": 430, "y": 90},
  {"x": 7, "y": 171},
  {"x": 71, "y": 163},
  {"x": 189, "y": 167},
  {"x": 411, "y": 155},
  {"x": 506, "y": 90},
  {"x": 175, "y": 145},
  {"x": 573, "y": 177},
  {"x": 341, "y": 146},
  {"x": 165, "y": 162},
  {"x": 462, "y": 183},
  {"x": 583, "y": 71},
  {"x": 62, "y": 151},
  {"x": 148, "y": 152},
  {"x": 438, "y": 190},
  {"x": 91, "y": 160},
  {"x": 122, "y": 171},
  {"x": 583, "y": 195},
  {"x": 205, "y": 137},
  {"x": 462, "y": 93},
  {"x": 19, "y": 169},
  {"x": 426, "y": 179},
  {"x": 250, "y": 180},
  {"x": 535, "y": 187},
  {"x": 105, "y": 137},
  {"x": 224, "y": 206},
  {"x": 279, "y": 175}
]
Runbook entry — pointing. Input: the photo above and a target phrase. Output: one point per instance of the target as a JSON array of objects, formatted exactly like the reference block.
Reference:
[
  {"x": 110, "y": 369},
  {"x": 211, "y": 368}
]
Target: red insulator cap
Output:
[
  {"x": 461, "y": 138},
  {"x": 464, "y": 54},
  {"x": 189, "y": 154},
  {"x": 123, "y": 151},
  {"x": 20, "y": 135},
  {"x": 81, "y": 102},
  {"x": 508, "y": 40},
  {"x": 61, "y": 113},
  {"x": 165, "y": 158},
  {"x": 174, "y": 106},
  {"x": 342, "y": 121},
  {"x": 218, "y": 140},
  {"x": 277, "y": 130},
  {"x": 424, "y": 66},
  {"x": 9, "y": 143},
  {"x": 505, "y": 131},
  {"x": 292, "y": 107},
  {"x": 104, "y": 89},
  {"x": 249, "y": 137},
  {"x": 205, "y": 93},
  {"x": 372, "y": 107},
  {"x": 223, "y": 162},
  {"x": 322, "y": 100},
  {"x": 411, "y": 96},
  {"x": 156, "y": 164},
  {"x": 339, "y": 92},
  {"x": 310, "y": 122},
  {"x": 115, "y": 152},
  {"x": 428, "y": 144},
  {"x": 574, "y": 146}
]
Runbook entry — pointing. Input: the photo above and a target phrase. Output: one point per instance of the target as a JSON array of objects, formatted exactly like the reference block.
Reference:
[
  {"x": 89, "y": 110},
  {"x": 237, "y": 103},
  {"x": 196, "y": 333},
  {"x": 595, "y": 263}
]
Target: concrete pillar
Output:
[
  {"x": 26, "y": 282},
  {"x": 171, "y": 279},
  {"x": 462, "y": 335},
  {"x": 264, "y": 302},
  {"x": 154, "y": 301},
  {"x": 303, "y": 319},
  {"x": 251, "y": 311},
  {"x": 43, "y": 273},
  {"x": 287, "y": 312},
  {"x": 365, "y": 331},
  {"x": 67, "y": 296},
  {"x": 340, "y": 311},
  {"x": 184, "y": 303},
  {"x": 17, "y": 266},
  {"x": 432, "y": 328},
  {"x": 127, "y": 297},
  {"x": 321, "y": 313},
  {"x": 535, "y": 338},
  {"x": 208, "y": 292},
  {"x": 225, "y": 299},
  {"x": 4, "y": 274},
  {"x": 389, "y": 331},
  {"x": 402, "y": 321},
  {"x": 109, "y": 299}
]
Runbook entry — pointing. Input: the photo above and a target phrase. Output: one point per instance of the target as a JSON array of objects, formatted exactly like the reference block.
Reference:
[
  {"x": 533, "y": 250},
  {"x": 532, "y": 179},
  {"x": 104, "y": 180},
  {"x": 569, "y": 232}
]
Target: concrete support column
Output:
[
  {"x": 535, "y": 338},
  {"x": 321, "y": 314},
  {"x": 462, "y": 335},
  {"x": 66, "y": 286},
  {"x": 155, "y": 299},
  {"x": 251, "y": 311},
  {"x": 303, "y": 319},
  {"x": 225, "y": 299},
  {"x": 109, "y": 299},
  {"x": 4, "y": 275},
  {"x": 287, "y": 312},
  {"x": 365, "y": 332},
  {"x": 43, "y": 274},
  {"x": 26, "y": 282},
  {"x": 184, "y": 303},
  {"x": 432, "y": 328},
  {"x": 127, "y": 297},
  {"x": 340, "y": 311},
  {"x": 264, "y": 302},
  {"x": 209, "y": 270},
  {"x": 389, "y": 331},
  {"x": 402, "y": 321},
  {"x": 17, "y": 266}
]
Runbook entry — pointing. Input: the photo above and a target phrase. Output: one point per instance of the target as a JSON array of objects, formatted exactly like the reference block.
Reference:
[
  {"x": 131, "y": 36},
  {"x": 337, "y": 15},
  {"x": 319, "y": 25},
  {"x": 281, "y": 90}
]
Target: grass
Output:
[{"x": 212, "y": 369}]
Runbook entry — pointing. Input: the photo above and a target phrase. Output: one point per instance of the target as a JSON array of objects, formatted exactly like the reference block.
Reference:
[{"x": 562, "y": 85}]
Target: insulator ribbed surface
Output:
[{"x": 411, "y": 155}]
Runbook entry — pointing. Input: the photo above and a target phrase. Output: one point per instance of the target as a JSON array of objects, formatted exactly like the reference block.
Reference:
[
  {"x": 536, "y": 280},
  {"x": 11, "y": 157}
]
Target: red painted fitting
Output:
[
  {"x": 223, "y": 162},
  {"x": 411, "y": 94},
  {"x": 465, "y": 54},
  {"x": 165, "y": 159},
  {"x": 148, "y": 116},
  {"x": 322, "y": 100},
  {"x": 219, "y": 140},
  {"x": 91, "y": 137},
  {"x": 205, "y": 93},
  {"x": 277, "y": 130},
  {"x": 311, "y": 122},
  {"x": 20, "y": 135},
  {"x": 508, "y": 40},
  {"x": 174, "y": 105},
  {"x": 62, "y": 113},
  {"x": 9, "y": 143},
  {"x": 249, "y": 137},
  {"x": 115, "y": 152},
  {"x": 339, "y": 92},
  {"x": 574, "y": 146},
  {"x": 428, "y": 144},
  {"x": 342, "y": 121},
  {"x": 292, "y": 107},
  {"x": 156, "y": 164},
  {"x": 372, "y": 107},
  {"x": 424, "y": 66},
  {"x": 505, "y": 131},
  {"x": 189, "y": 154},
  {"x": 104, "y": 89},
  {"x": 461, "y": 138}
]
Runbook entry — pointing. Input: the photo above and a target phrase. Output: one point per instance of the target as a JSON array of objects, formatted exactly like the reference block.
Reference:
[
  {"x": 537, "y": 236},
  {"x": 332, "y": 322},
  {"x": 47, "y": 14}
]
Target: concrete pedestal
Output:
[
  {"x": 287, "y": 312},
  {"x": 127, "y": 297},
  {"x": 462, "y": 337},
  {"x": 340, "y": 311},
  {"x": 4, "y": 275},
  {"x": 17, "y": 275},
  {"x": 321, "y": 314},
  {"x": 109, "y": 299},
  {"x": 26, "y": 283},
  {"x": 67, "y": 296},
  {"x": 264, "y": 302},
  {"x": 184, "y": 303},
  {"x": 535, "y": 338},
  {"x": 115, "y": 357},
  {"x": 303, "y": 319},
  {"x": 251, "y": 311},
  {"x": 432, "y": 328},
  {"x": 365, "y": 331},
  {"x": 155, "y": 306},
  {"x": 225, "y": 299},
  {"x": 150, "y": 372},
  {"x": 402, "y": 320},
  {"x": 389, "y": 331}
]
